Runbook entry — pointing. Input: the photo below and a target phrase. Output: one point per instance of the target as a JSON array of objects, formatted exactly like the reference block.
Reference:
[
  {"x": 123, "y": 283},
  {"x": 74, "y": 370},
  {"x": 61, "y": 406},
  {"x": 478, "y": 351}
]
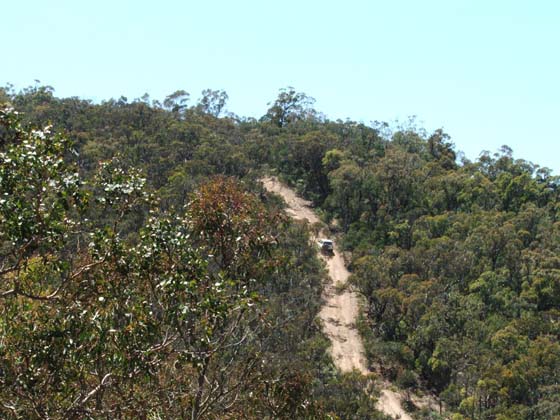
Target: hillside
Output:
[
  {"x": 147, "y": 273},
  {"x": 341, "y": 307}
]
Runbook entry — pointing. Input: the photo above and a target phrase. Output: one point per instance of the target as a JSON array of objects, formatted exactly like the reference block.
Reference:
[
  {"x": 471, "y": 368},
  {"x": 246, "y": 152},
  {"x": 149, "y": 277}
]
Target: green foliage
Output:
[
  {"x": 289, "y": 107},
  {"x": 97, "y": 322},
  {"x": 152, "y": 276},
  {"x": 452, "y": 262}
]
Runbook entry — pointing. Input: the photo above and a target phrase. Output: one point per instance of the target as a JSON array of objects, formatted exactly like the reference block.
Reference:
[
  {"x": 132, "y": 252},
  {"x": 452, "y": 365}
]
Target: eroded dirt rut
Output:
[{"x": 340, "y": 310}]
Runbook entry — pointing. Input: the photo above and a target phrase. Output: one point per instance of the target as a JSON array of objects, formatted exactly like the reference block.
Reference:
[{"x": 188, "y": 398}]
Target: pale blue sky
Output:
[{"x": 485, "y": 71}]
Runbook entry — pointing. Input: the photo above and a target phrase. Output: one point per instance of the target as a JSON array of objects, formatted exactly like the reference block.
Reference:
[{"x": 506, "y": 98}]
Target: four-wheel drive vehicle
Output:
[{"x": 326, "y": 246}]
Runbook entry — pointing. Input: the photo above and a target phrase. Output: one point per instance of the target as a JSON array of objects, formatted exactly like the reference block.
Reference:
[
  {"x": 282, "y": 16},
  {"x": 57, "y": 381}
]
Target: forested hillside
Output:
[{"x": 146, "y": 273}]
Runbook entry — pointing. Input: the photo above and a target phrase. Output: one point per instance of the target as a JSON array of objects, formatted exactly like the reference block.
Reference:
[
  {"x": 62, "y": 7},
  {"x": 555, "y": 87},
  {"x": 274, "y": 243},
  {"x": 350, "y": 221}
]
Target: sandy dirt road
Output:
[{"x": 340, "y": 310}]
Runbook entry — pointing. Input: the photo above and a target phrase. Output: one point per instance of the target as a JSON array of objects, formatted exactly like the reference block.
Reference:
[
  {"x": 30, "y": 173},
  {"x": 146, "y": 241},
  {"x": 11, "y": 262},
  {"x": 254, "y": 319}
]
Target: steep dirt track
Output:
[
  {"x": 340, "y": 309},
  {"x": 339, "y": 315}
]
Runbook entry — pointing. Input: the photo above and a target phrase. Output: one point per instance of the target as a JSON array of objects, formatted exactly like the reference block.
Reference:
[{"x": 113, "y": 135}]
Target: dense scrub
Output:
[
  {"x": 174, "y": 290},
  {"x": 457, "y": 260}
]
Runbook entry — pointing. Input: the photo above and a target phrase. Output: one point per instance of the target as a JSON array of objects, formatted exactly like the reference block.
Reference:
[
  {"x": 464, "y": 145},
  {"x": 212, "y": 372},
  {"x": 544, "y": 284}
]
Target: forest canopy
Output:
[{"x": 144, "y": 271}]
